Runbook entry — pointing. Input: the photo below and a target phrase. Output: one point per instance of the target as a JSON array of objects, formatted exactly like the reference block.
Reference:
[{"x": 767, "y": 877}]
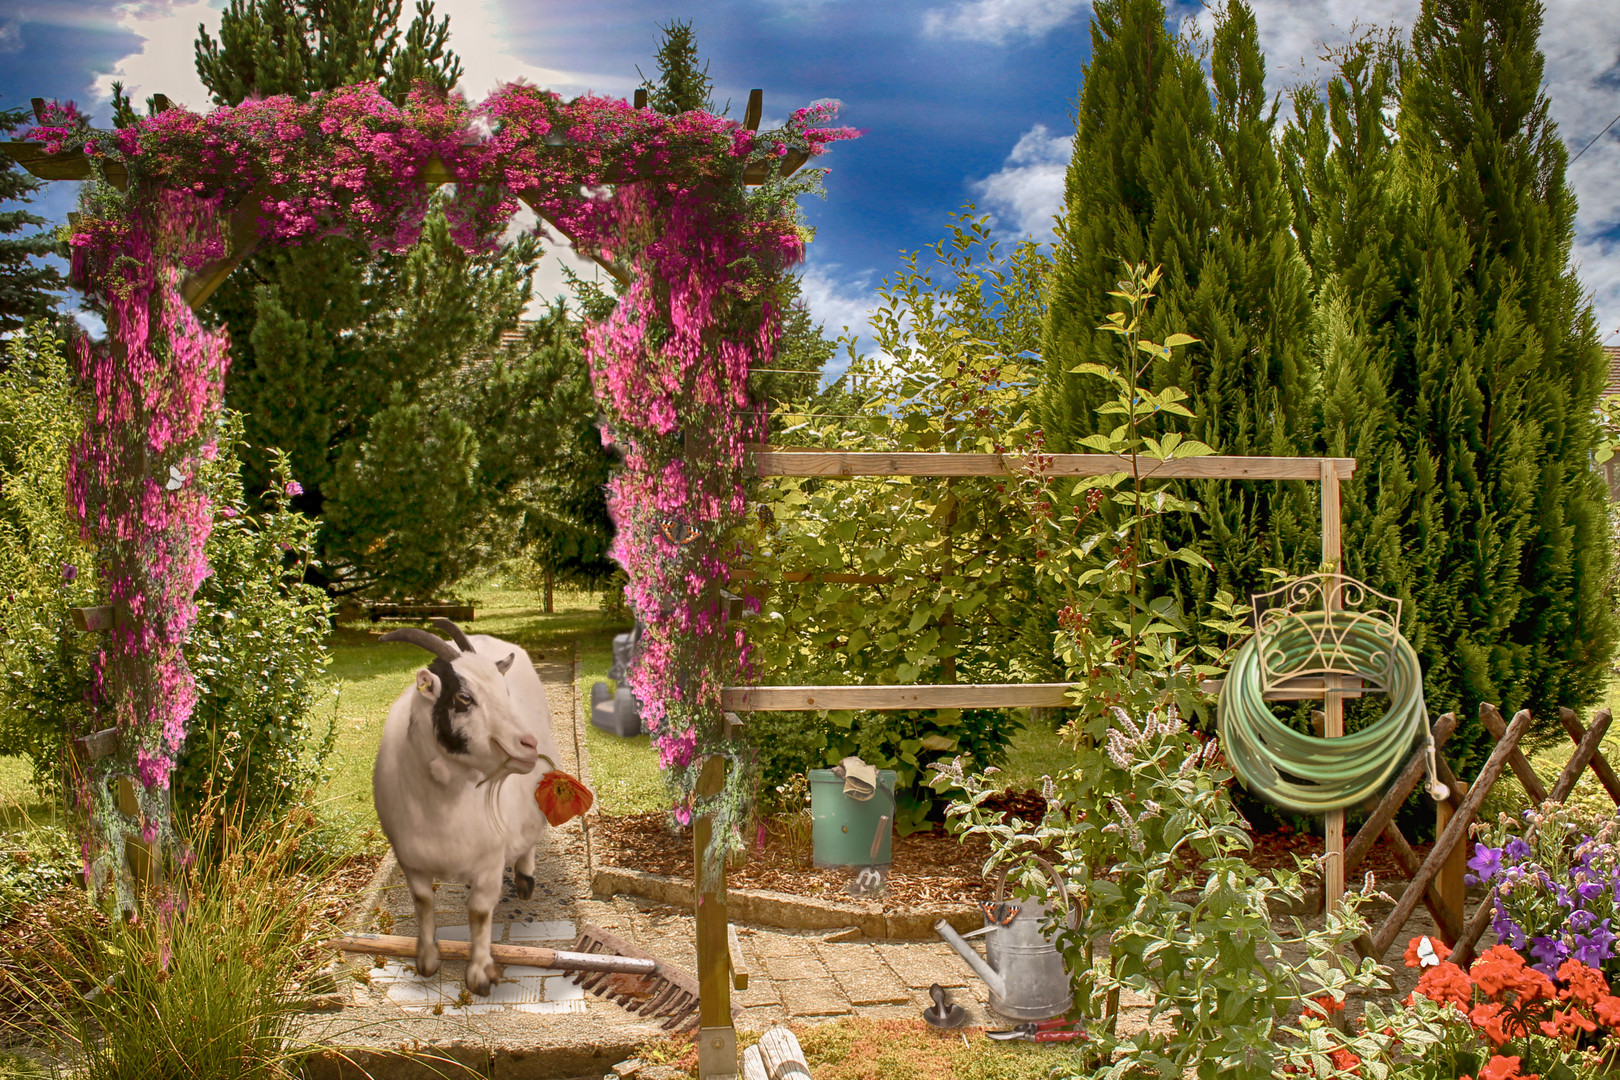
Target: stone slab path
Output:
[{"x": 539, "y": 1024}]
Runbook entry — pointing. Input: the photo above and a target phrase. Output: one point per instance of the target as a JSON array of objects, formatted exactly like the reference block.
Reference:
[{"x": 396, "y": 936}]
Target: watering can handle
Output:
[{"x": 1057, "y": 883}]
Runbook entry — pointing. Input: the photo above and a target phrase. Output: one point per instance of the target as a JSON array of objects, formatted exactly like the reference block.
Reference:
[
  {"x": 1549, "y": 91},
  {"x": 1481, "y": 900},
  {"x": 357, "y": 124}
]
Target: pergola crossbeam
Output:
[{"x": 779, "y": 461}]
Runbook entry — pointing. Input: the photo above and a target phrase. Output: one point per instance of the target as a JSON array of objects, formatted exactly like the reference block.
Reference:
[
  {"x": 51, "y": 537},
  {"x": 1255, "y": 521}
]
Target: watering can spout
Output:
[{"x": 992, "y": 978}]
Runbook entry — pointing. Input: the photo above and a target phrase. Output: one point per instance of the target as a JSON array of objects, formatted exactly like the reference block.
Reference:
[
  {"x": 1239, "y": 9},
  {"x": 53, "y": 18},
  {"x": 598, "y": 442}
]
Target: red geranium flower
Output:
[
  {"x": 1487, "y": 1019},
  {"x": 1447, "y": 982},
  {"x": 1607, "y": 1010},
  {"x": 1502, "y": 970},
  {"x": 1505, "y": 1068},
  {"x": 1581, "y": 983}
]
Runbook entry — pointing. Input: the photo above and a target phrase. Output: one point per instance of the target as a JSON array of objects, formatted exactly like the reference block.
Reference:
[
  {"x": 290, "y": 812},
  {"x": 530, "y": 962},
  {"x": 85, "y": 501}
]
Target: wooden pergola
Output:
[{"x": 718, "y": 964}]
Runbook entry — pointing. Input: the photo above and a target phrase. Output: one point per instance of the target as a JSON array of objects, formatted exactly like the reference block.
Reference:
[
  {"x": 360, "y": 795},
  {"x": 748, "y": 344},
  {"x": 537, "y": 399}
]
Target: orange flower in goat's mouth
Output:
[{"x": 561, "y": 797}]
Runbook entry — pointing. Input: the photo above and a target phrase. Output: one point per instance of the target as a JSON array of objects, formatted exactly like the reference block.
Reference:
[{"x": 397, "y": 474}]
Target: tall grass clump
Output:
[{"x": 202, "y": 981}]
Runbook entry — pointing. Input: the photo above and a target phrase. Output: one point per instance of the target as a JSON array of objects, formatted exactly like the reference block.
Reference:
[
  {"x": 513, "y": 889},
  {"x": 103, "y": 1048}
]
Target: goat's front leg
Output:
[
  {"x": 523, "y": 873},
  {"x": 482, "y": 971},
  {"x": 427, "y": 950}
]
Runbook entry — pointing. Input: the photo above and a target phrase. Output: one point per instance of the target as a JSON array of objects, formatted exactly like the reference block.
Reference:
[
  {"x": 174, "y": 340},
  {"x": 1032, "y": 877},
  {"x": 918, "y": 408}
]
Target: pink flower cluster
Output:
[{"x": 155, "y": 391}]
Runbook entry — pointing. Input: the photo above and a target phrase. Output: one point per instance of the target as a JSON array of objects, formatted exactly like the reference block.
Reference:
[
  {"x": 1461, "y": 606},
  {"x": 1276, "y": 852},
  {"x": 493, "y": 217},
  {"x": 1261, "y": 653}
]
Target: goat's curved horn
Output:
[
  {"x": 454, "y": 631},
  {"x": 433, "y": 643}
]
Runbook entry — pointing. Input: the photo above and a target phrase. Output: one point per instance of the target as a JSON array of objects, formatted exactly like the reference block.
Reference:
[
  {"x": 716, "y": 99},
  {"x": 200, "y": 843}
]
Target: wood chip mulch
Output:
[{"x": 929, "y": 869}]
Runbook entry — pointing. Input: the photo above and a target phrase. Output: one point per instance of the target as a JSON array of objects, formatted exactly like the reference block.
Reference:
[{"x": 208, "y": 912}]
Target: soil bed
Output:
[{"x": 929, "y": 869}]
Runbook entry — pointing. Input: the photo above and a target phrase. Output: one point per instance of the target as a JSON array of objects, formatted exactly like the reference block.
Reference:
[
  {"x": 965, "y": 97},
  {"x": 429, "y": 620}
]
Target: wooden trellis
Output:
[{"x": 1446, "y": 904}]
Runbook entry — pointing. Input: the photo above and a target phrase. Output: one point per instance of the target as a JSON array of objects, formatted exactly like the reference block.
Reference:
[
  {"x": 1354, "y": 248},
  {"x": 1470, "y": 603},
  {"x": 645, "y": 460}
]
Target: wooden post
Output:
[
  {"x": 717, "y": 1039},
  {"x": 1453, "y": 891},
  {"x": 1332, "y": 702}
]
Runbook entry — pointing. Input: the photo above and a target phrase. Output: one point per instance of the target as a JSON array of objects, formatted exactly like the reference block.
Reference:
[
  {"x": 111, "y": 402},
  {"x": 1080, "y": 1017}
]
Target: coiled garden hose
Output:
[{"x": 1303, "y": 773}]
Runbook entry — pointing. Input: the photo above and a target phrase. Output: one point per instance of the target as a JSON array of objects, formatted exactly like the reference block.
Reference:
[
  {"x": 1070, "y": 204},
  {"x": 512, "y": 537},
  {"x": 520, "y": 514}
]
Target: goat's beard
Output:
[{"x": 492, "y": 795}]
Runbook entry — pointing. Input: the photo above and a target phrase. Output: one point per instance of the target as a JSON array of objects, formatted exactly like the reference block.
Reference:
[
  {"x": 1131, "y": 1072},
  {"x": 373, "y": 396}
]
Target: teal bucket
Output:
[{"x": 846, "y": 831}]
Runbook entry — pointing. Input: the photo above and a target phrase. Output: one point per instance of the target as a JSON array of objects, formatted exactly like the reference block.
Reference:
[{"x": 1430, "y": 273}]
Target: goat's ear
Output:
[
  {"x": 503, "y": 666},
  {"x": 427, "y": 683}
]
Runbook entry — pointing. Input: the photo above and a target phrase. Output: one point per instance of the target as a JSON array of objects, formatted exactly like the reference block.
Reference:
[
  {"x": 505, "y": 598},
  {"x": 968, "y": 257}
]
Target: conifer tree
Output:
[
  {"x": 1167, "y": 173},
  {"x": 681, "y": 85},
  {"x": 26, "y": 284},
  {"x": 347, "y": 359},
  {"x": 1460, "y": 360}
]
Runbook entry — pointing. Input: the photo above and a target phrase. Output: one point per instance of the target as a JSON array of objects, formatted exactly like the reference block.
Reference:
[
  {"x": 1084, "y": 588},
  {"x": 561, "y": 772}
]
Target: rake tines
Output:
[{"x": 668, "y": 992}]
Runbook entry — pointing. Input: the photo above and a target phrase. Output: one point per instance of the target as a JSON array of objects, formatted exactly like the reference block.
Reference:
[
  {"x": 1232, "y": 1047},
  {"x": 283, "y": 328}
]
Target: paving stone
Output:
[
  {"x": 761, "y": 1017},
  {"x": 765, "y": 943},
  {"x": 921, "y": 966},
  {"x": 813, "y": 997},
  {"x": 548, "y": 930},
  {"x": 794, "y": 967},
  {"x": 872, "y": 986},
  {"x": 761, "y": 991},
  {"x": 849, "y": 957}
]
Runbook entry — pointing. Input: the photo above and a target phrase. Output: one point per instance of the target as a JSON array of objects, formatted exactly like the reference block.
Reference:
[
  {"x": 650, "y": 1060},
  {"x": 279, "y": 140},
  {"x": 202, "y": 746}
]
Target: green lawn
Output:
[{"x": 624, "y": 772}]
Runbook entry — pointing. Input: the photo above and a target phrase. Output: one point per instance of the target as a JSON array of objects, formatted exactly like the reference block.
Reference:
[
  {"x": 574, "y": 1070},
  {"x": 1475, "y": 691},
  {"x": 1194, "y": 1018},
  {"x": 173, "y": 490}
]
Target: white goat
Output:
[{"x": 450, "y": 784}]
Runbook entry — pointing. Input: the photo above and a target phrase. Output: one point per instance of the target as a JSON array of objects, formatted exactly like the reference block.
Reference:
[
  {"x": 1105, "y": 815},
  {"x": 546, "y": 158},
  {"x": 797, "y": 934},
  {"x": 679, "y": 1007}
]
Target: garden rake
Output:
[{"x": 667, "y": 992}]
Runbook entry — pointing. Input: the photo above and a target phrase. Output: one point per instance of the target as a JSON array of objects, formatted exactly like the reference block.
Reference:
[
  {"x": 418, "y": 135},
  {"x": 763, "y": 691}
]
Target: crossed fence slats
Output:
[{"x": 1448, "y": 917}]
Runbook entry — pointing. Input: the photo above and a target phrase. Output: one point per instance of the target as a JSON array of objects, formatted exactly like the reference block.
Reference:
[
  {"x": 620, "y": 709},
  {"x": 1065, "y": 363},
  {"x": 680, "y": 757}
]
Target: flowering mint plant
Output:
[
  {"x": 700, "y": 256},
  {"x": 1557, "y": 884},
  {"x": 1168, "y": 907}
]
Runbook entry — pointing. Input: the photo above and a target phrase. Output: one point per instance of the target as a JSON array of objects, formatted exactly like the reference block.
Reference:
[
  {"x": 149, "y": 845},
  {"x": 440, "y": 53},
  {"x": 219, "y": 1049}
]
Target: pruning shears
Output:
[{"x": 1057, "y": 1029}]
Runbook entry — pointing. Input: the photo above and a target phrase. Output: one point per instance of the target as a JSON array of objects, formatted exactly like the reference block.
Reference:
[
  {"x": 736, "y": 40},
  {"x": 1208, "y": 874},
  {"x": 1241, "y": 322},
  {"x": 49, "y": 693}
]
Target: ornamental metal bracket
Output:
[{"x": 1340, "y": 606}]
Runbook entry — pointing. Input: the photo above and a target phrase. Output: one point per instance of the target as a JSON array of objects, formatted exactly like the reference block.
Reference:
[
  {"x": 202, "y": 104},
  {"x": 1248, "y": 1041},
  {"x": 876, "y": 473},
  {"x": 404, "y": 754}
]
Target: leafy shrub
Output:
[
  {"x": 44, "y": 567},
  {"x": 909, "y": 579},
  {"x": 40, "y": 861},
  {"x": 1167, "y": 906},
  {"x": 257, "y": 649}
]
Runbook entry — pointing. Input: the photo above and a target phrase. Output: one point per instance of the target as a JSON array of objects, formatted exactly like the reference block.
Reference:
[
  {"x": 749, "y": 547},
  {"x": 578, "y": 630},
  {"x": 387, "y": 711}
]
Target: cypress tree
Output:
[
  {"x": 1168, "y": 173},
  {"x": 681, "y": 85},
  {"x": 1504, "y": 369},
  {"x": 1460, "y": 362},
  {"x": 26, "y": 284}
]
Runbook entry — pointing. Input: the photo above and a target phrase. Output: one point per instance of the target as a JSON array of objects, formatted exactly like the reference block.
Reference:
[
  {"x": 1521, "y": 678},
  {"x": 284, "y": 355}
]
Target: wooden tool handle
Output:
[{"x": 524, "y": 955}]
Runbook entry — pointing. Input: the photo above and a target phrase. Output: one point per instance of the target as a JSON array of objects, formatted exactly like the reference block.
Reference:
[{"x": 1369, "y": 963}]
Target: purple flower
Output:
[
  {"x": 1589, "y": 890},
  {"x": 1561, "y": 896},
  {"x": 69, "y": 572},
  {"x": 293, "y": 487},
  {"x": 1516, "y": 850},
  {"x": 228, "y": 512},
  {"x": 1580, "y": 919},
  {"x": 1594, "y": 949},
  {"x": 1486, "y": 863},
  {"x": 1507, "y": 930},
  {"x": 1551, "y": 952}
]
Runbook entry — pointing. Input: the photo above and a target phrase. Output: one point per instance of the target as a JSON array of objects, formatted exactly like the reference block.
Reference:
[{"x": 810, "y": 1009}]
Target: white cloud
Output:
[
  {"x": 995, "y": 21},
  {"x": 165, "y": 62},
  {"x": 843, "y": 305},
  {"x": 1028, "y": 188},
  {"x": 484, "y": 34},
  {"x": 10, "y": 36}
]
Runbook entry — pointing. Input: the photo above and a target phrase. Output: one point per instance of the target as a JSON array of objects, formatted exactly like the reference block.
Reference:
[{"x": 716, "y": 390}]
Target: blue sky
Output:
[{"x": 960, "y": 100}]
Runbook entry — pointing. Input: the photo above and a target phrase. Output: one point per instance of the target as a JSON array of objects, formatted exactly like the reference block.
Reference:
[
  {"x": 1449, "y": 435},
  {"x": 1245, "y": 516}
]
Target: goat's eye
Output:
[{"x": 464, "y": 700}]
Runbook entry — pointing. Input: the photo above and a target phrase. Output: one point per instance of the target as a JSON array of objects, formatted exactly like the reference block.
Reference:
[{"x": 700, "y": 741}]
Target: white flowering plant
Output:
[{"x": 1151, "y": 856}]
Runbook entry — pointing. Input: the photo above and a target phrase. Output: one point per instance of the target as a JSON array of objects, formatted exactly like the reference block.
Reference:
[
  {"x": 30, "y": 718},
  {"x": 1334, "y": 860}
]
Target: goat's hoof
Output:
[
  {"x": 525, "y": 884},
  {"x": 427, "y": 962},
  {"x": 481, "y": 978}
]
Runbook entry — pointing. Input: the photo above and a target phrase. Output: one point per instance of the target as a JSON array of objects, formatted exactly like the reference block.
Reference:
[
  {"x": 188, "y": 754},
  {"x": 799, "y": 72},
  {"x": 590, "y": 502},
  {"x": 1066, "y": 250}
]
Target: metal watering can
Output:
[{"x": 1027, "y": 977}]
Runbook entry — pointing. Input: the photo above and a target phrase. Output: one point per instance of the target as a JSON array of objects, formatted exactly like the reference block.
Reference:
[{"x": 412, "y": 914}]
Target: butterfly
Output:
[
  {"x": 177, "y": 480},
  {"x": 1427, "y": 957}
]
